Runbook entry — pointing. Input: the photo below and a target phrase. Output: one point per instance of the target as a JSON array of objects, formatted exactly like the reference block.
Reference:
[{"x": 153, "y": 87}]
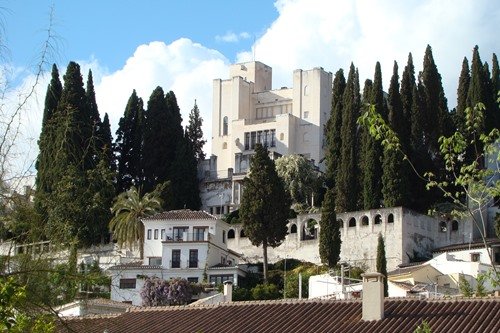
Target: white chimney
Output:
[
  {"x": 228, "y": 291},
  {"x": 373, "y": 296}
]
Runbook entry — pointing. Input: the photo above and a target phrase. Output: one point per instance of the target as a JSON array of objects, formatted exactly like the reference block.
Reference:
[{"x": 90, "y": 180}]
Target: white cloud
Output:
[
  {"x": 231, "y": 37},
  {"x": 185, "y": 67},
  {"x": 331, "y": 34}
]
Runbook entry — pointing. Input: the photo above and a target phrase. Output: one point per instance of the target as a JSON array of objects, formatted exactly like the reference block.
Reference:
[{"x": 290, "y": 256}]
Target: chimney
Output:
[
  {"x": 373, "y": 296},
  {"x": 228, "y": 291}
]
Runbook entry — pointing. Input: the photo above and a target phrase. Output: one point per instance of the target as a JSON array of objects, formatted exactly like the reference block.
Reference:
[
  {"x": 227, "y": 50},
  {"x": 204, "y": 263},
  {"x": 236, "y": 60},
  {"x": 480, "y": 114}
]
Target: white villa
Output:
[
  {"x": 178, "y": 244},
  {"x": 247, "y": 111}
]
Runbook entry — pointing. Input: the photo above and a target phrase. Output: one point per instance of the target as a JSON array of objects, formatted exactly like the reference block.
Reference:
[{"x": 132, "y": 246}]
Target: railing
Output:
[{"x": 188, "y": 237}]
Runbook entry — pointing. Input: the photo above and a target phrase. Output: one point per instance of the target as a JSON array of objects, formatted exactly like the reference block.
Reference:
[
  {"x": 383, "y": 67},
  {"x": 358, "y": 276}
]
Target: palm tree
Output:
[{"x": 129, "y": 208}]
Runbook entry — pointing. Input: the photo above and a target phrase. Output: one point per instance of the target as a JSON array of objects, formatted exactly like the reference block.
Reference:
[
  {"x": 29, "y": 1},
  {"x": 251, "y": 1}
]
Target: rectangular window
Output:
[
  {"x": 162, "y": 234},
  {"x": 193, "y": 258},
  {"x": 156, "y": 233},
  {"x": 155, "y": 261},
  {"x": 127, "y": 283},
  {"x": 176, "y": 259},
  {"x": 219, "y": 279},
  {"x": 247, "y": 141},
  {"x": 192, "y": 279},
  {"x": 178, "y": 233},
  {"x": 199, "y": 233},
  {"x": 149, "y": 233}
]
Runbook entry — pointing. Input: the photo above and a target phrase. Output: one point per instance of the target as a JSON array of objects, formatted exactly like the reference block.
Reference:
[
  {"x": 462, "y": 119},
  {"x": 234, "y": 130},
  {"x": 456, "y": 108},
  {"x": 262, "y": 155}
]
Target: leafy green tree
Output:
[
  {"x": 347, "y": 184},
  {"x": 469, "y": 180},
  {"x": 128, "y": 145},
  {"x": 194, "y": 132},
  {"x": 265, "y": 204},
  {"x": 300, "y": 178},
  {"x": 395, "y": 175},
  {"x": 333, "y": 129},
  {"x": 265, "y": 291},
  {"x": 128, "y": 210},
  {"x": 382, "y": 262},
  {"x": 329, "y": 237}
]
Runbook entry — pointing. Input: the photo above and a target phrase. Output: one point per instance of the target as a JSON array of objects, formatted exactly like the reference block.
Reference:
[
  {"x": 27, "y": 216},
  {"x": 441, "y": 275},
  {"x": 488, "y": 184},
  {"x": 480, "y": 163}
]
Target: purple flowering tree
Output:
[{"x": 159, "y": 292}]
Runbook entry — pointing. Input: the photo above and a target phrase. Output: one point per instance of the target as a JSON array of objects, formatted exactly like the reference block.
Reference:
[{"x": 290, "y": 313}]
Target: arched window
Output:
[
  {"x": 230, "y": 234},
  {"x": 390, "y": 218},
  {"x": 293, "y": 229},
  {"x": 442, "y": 226},
  {"x": 454, "y": 225},
  {"x": 224, "y": 126},
  {"x": 364, "y": 221},
  {"x": 242, "y": 233},
  {"x": 352, "y": 222},
  {"x": 378, "y": 219}
]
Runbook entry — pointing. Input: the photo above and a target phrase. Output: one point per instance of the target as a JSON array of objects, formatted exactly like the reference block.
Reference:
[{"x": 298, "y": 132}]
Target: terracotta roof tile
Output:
[
  {"x": 182, "y": 214},
  {"x": 401, "y": 315}
]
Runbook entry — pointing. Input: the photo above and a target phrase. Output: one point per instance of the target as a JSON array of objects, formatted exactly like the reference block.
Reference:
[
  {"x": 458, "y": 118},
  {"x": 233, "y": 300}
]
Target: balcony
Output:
[{"x": 188, "y": 237}]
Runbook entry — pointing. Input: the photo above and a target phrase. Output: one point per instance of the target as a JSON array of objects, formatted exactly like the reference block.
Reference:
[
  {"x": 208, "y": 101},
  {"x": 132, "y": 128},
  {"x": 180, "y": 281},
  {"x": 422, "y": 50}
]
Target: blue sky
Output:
[{"x": 183, "y": 45}]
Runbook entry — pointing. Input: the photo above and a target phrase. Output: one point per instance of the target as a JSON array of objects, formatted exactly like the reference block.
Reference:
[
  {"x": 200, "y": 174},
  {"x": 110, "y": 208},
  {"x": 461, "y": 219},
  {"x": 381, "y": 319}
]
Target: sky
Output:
[{"x": 183, "y": 45}]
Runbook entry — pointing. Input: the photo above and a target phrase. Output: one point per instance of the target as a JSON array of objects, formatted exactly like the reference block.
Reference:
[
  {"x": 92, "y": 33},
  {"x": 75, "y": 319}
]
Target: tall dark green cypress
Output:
[
  {"x": 333, "y": 129},
  {"x": 495, "y": 89},
  {"x": 194, "y": 133},
  {"x": 128, "y": 145},
  {"x": 382, "y": 263},
  {"x": 395, "y": 177},
  {"x": 406, "y": 93},
  {"x": 329, "y": 238},
  {"x": 184, "y": 177},
  {"x": 159, "y": 147},
  {"x": 462, "y": 92},
  {"x": 44, "y": 165},
  {"x": 347, "y": 182},
  {"x": 371, "y": 157}
]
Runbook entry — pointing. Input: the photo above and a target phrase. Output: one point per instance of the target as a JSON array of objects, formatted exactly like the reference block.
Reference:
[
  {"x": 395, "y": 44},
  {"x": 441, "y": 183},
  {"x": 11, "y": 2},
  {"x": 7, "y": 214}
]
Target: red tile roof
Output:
[
  {"x": 401, "y": 315},
  {"x": 182, "y": 214}
]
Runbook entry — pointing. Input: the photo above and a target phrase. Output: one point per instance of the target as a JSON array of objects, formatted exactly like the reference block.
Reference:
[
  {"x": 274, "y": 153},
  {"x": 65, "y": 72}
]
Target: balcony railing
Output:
[
  {"x": 184, "y": 264},
  {"x": 188, "y": 237}
]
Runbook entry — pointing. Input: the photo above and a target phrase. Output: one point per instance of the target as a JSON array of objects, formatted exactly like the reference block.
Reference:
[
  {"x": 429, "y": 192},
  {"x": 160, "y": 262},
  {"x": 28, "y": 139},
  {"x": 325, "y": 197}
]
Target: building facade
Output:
[
  {"x": 246, "y": 111},
  {"x": 179, "y": 244}
]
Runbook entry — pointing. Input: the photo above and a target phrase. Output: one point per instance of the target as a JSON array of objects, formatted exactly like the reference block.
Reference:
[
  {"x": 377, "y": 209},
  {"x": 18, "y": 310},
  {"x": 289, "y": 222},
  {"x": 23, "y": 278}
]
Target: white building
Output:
[
  {"x": 178, "y": 244},
  {"x": 409, "y": 236},
  {"x": 247, "y": 111}
]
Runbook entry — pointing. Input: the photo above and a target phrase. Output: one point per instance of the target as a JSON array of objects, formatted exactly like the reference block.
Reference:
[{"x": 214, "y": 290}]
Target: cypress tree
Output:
[
  {"x": 382, "y": 262},
  {"x": 462, "y": 92},
  {"x": 184, "y": 177},
  {"x": 406, "y": 93},
  {"x": 329, "y": 238},
  {"x": 194, "y": 133},
  {"x": 265, "y": 204},
  {"x": 395, "y": 177},
  {"x": 44, "y": 165},
  {"x": 371, "y": 157},
  {"x": 159, "y": 147},
  {"x": 333, "y": 129},
  {"x": 128, "y": 145},
  {"x": 347, "y": 195}
]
